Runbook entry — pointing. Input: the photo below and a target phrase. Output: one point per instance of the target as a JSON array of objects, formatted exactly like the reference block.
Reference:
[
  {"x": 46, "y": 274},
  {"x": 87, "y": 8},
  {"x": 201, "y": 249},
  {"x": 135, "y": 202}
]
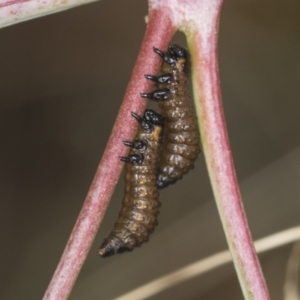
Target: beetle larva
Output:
[
  {"x": 138, "y": 216},
  {"x": 181, "y": 137}
]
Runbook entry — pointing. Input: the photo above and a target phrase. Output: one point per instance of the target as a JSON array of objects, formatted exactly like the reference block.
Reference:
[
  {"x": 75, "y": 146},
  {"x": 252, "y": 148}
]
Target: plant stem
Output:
[
  {"x": 203, "y": 43},
  {"x": 212, "y": 262},
  {"x": 109, "y": 169},
  {"x": 16, "y": 11}
]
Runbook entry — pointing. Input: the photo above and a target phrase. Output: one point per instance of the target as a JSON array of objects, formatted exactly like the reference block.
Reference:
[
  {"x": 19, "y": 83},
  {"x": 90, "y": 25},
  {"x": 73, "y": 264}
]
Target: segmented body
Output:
[
  {"x": 181, "y": 136},
  {"x": 138, "y": 216}
]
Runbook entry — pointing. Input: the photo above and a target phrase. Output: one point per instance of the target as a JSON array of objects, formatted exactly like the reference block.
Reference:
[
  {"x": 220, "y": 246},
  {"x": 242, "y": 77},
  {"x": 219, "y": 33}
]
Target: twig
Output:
[
  {"x": 207, "y": 264},
  {"x": 109, "y": 169}
]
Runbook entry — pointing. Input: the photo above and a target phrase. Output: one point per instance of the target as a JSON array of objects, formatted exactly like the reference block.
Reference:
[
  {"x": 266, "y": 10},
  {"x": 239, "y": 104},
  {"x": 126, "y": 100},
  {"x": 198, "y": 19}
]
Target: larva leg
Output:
[
  {"x": 167, "y": 58},
  {"x": 164, "y": 78},
  {"x": 137, "y": 117},
  {"x": 138, "y": 144},
  {"x": 159, "y": 52},
  {"x": 160, "y": 94},
  {"x": 135, "y": 159}
]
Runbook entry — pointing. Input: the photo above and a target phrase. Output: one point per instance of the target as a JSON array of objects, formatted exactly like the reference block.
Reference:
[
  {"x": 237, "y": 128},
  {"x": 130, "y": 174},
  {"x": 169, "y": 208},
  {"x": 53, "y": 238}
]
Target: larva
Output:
[
  {"x": 138, "y": 216},
  {"x": 181, "y": 137}
]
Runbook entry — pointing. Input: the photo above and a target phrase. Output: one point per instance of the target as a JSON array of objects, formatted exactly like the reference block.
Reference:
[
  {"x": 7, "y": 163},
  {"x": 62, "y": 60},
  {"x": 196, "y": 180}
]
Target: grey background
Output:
[{"x": 62, "y": 79}]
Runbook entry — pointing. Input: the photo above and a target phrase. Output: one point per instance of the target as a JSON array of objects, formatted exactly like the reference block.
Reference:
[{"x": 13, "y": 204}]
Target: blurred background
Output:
[{"x": 62, "y": 79}]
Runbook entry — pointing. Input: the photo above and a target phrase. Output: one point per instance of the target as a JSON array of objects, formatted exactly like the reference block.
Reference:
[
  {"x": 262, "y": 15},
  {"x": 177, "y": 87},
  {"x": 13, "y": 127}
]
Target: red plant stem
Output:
[
  {"x": 159, "y": 32},
  {"x": 220, "y": 163}
]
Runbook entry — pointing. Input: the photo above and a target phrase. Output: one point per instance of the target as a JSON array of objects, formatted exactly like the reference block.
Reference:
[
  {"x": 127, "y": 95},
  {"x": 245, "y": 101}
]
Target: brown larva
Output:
[
  {"x": 138, "y": 216},
  {"x": 181, "y": 138}
]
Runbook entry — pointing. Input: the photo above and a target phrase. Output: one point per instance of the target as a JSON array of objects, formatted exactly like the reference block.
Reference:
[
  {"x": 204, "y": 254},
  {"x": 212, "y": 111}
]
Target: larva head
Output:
[
  {"x": 175, "y": 56},
  {"x": 153, "y": 125},
  {"x": 150, "y": 120},
  {"x": 153, "y": 118},
  {"x": 177, "y": 52}
]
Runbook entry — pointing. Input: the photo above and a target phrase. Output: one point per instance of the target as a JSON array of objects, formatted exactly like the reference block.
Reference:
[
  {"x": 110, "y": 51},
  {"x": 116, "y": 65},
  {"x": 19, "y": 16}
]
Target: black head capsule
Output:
[
  {"x": 172, "y": 55},
  {"x": 180, "y": 54},
  {"x": 177, "y": 52},
  {"x": 153, "y": 117}
]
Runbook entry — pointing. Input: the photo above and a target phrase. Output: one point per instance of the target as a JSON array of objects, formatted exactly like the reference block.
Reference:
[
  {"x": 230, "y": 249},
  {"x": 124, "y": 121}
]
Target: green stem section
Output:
[{"x": 203, "y": 45}]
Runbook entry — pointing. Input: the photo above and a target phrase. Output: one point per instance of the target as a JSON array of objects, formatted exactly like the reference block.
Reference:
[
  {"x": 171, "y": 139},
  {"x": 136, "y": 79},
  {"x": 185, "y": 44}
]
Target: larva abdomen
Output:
[{"x": 138, "y": 216}]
